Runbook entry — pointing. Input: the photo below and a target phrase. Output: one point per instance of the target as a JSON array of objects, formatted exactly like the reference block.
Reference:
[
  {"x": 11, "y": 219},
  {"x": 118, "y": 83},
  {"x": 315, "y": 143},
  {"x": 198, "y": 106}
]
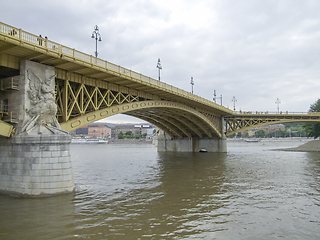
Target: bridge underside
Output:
[
  {"x": 177, "y": 120},
  {"x": 80, "y": 104}
]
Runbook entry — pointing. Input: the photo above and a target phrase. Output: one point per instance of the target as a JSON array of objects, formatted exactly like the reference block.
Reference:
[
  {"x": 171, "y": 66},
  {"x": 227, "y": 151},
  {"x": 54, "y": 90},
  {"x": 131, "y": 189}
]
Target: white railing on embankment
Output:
[{"x": 273, "y": 113}]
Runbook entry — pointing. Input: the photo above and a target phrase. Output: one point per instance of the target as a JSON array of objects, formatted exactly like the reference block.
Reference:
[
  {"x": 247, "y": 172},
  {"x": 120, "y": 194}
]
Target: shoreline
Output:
[
  {"x": 311, "y": 146},
  {"x": 130, "y": 141}
]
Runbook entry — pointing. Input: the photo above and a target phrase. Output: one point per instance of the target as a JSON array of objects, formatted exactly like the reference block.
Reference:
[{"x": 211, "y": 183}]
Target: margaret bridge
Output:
[{"x": 87, "y": 89}]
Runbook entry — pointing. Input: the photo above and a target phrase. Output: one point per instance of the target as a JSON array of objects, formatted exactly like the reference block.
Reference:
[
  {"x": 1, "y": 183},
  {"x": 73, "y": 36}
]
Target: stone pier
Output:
[
  {"x": 36, "y": 165},
  {"x": 36, "y": 160},
  {"x": 164, "y": 143}
]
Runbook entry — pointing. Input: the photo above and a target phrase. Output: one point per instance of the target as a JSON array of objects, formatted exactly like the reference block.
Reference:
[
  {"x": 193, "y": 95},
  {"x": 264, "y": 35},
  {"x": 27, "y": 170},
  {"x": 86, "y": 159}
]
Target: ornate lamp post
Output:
[
  {"x": 96, "y": 35},
  {"x": 159, "y": 67},
  {"x": 278, "y": 102},
  {"x": 234, "y": 102},
  {"x": 215, "y": 97},
  {"x": 192, "y": 83}
]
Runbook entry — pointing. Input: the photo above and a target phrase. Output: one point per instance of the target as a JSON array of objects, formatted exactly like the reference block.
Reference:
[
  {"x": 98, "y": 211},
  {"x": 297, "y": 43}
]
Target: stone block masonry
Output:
[
  {"x": 36, "y": 160},
  {"x": 36, "y": 166}
]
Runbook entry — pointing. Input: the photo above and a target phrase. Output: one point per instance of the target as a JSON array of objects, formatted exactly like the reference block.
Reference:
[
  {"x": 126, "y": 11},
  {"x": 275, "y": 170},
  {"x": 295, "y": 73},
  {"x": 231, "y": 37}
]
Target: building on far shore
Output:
[
  {"x": 267, "y": 129},
  {"x": 101, "y": 130},
  {"x": 273, "y": 128},
  {"x": 94, "y": 130},
  {"x": 81, "y": 131}
]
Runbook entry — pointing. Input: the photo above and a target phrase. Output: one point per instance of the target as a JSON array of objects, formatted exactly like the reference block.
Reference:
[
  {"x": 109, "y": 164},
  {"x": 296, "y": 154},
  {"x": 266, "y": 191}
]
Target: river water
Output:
[{"x": 133, "y": 192}]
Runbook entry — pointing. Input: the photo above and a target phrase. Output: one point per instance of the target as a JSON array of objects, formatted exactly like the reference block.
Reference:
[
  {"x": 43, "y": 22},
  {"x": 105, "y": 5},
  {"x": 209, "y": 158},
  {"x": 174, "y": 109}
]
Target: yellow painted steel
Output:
[
  {"x": 24, "y": 45},
  {"x": 11, "y": 83},
  {"x": 179, "y": 124},
  {"x": 241, "y": 122},
  {"x": 85, "y": 84},
  {"x": 80, "y": 104},
  {"x": 6, "y": 129},
  {"x": 89, "y": 89}
]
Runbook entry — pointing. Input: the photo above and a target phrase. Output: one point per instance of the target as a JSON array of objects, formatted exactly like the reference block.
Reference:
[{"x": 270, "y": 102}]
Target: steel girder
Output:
[
  {"x": 238, "y": 123},
  {"x": 79, "y": 104}
]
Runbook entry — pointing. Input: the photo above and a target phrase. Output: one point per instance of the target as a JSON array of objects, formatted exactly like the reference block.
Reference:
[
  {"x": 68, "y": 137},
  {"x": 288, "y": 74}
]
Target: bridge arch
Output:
[{"x": 176, "y": 119}]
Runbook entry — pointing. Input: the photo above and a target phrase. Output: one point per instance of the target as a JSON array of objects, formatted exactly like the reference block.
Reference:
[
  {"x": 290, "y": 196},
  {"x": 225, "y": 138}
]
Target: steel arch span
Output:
[
  {"x": 89, "y": 89},
  {"x": 241, "y": 122},
  {"x": 176, "y": 119}
]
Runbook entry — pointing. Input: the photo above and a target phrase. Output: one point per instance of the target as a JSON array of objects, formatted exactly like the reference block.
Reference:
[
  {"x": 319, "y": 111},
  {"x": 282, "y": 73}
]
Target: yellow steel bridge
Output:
[{"x": 89, "y": 89}]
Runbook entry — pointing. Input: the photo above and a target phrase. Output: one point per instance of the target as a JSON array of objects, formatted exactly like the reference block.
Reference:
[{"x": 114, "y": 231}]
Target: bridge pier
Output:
[
  {"x": 36, "y": 160},
  {"x": 36, "y": 165},
  {"x": 164, "y": 143}
]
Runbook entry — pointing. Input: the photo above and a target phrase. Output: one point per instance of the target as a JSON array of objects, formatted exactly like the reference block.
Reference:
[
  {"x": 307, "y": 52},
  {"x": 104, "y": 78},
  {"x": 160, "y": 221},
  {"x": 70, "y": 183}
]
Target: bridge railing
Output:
[
  {"x": 274, "y": 113},
  {"x": 51, "y": 46}
]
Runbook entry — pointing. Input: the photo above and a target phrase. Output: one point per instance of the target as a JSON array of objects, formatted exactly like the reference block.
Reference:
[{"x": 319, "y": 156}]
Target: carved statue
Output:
[{"x": 42, "y": 111}]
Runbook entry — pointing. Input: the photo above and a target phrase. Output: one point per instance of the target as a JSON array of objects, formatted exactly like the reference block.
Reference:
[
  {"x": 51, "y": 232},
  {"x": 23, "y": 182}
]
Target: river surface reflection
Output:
[{"x": 134, "y": 192}]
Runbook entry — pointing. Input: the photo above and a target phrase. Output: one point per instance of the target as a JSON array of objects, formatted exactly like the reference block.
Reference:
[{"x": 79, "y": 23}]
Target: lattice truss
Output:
[
  {"x": 237, "y": 124},
  {"x": 234, "y": 125},
  {"x": 75, "y": 99}
]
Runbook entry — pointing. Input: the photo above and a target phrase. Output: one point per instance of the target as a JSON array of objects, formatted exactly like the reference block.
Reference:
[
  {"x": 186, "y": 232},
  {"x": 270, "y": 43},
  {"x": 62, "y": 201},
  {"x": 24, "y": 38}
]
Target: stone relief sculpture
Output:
[{"x": 42, "y": 108}]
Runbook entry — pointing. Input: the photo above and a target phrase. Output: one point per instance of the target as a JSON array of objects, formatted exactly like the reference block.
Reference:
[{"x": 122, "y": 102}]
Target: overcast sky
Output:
[{"x": 255, "y": 50}]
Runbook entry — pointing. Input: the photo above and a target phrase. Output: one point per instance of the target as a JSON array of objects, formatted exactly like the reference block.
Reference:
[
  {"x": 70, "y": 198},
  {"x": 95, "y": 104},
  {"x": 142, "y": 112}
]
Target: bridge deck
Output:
[
  {"x": 80, "y": 68},
  {"x": 16, "y": 45}
]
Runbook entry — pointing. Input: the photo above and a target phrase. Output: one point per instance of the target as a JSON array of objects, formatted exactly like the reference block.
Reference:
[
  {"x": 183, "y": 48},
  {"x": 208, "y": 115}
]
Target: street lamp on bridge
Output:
[
  {"x": 192, "y": 83},
  {"x": 96, "y": 35},
  {"x": 159, "y": 67},
  {"x": 278, "y": 102},
  {"x": 215, "y": 97},
  {"x": 234, "y": 102}
]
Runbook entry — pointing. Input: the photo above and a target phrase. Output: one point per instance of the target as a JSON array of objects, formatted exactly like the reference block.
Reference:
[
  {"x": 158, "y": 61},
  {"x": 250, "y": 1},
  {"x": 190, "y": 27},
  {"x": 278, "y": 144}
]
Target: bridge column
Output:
[
  {"x": 164, "y": 143},
  {"x": 36, "y": 160}
]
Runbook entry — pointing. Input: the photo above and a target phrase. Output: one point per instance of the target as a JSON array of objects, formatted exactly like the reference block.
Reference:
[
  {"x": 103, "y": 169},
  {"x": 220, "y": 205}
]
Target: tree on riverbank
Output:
[
  {"x": 130, "y": 135},
  {"x": 313, "y": 129}
]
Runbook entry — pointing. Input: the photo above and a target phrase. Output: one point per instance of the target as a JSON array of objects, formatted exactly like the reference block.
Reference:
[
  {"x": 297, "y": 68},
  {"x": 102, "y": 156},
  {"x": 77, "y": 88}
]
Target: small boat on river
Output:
[
  {"x": 252, "y": 140},
  {"x": 203, "y": 150}
]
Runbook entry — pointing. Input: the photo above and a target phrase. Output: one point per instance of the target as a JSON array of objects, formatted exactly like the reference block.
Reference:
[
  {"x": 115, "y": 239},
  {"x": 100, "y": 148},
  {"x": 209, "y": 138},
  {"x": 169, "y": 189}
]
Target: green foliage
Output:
[
  {"x": 297, "y": 131},
  {"x": 129, "y": 135},
  {"x": 120, "y": 135},
  {"x": 137, "y": 136},
  {"x": 315, "y": 107},
  {"x": 277, "y": 134},
  {"x": 232, "y": 136},
  {"x": 313, "y": 129},
  {"x": 293, "y": 124},
  {"x": 260, "y": 133}
]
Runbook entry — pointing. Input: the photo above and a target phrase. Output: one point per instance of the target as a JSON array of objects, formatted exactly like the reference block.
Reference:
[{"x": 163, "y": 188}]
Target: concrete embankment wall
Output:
[{"x": 195, "y": 144}]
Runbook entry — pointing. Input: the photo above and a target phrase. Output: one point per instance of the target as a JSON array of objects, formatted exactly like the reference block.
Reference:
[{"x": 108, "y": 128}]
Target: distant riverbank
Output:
[
  {"x": 130, "y": 141},
  {"x": 312, "y": 146}
]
